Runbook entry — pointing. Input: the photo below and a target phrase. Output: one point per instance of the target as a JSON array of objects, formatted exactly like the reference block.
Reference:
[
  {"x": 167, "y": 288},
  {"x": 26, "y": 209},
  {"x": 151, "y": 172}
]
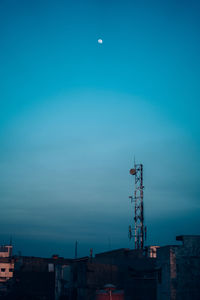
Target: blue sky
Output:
[{"x": 73, "y": 113}]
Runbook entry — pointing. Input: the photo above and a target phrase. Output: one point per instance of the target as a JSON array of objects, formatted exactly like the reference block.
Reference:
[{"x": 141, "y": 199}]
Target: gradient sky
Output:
[{"x": 73, "y": 113}]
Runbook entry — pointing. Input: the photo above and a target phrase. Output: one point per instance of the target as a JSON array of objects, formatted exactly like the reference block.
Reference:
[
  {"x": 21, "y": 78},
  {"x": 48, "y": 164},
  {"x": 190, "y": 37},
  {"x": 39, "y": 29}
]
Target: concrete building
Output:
[
  {"x": 6, "y": 263},
  {"x": 39, "y": 278},
  {"x": 6, "y": 269},
  {"x": 179, "y": 270},
  {"x": 152, "y": 251},
  {"x": 6, "y": 251},
  {"x": 131, "y": 271},
  {"x": 154, "y": 273},
  {"x": 62, "y": 281}
]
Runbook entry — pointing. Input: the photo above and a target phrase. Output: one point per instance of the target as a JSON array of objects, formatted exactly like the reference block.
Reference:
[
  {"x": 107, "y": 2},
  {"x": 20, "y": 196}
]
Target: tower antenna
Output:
[{"x": 138, "y": 231}]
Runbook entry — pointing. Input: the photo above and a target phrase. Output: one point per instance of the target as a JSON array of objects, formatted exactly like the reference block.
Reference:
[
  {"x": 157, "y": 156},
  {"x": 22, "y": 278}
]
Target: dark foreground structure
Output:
[
  {"x": 158, "y": 273},
  {"x": 179, "y": 270}
]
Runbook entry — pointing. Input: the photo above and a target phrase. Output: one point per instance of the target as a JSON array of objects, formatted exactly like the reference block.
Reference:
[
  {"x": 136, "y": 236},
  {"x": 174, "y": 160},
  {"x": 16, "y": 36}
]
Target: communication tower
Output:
[{"x": 138, "y": 231}]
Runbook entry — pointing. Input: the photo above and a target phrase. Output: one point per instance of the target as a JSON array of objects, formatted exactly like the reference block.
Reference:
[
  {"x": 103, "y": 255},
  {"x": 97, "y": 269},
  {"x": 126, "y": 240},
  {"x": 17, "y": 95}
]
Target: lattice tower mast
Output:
[{"x": 138, "y": 231}]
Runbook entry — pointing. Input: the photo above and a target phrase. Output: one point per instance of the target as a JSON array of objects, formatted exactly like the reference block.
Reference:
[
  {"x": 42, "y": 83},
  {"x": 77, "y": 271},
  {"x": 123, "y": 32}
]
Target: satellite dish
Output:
[{"x": 132, "y": 171}]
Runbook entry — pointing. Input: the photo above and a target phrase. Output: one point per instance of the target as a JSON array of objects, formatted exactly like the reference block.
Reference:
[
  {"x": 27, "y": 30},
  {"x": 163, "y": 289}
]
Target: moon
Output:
[{"x": 100, "y": 41}]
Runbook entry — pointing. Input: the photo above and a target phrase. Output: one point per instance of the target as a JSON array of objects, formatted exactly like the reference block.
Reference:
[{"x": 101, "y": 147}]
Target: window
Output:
[
  {"x": 3, "y": 269},
  {"x": 11, "y": 270},
  {"x": 3, "y": 249}
]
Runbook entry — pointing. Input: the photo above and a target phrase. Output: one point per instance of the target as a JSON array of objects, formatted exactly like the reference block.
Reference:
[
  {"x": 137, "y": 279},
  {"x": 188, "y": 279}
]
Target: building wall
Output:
[
  {"x": 6, "y": 263},
  {"x": 152, "y": 251},
  {"x": 38, "y": 278},
  {"x": 89, "y": 276},
  {"x": 128, "y": 270},
  {"x": 6, "y": 270},
  {"x": 188, "y": 268},
  {"x": 179, "y": 270},
  {"x": 6, "y": 251},
  {"x": 62, "y": 281}
]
